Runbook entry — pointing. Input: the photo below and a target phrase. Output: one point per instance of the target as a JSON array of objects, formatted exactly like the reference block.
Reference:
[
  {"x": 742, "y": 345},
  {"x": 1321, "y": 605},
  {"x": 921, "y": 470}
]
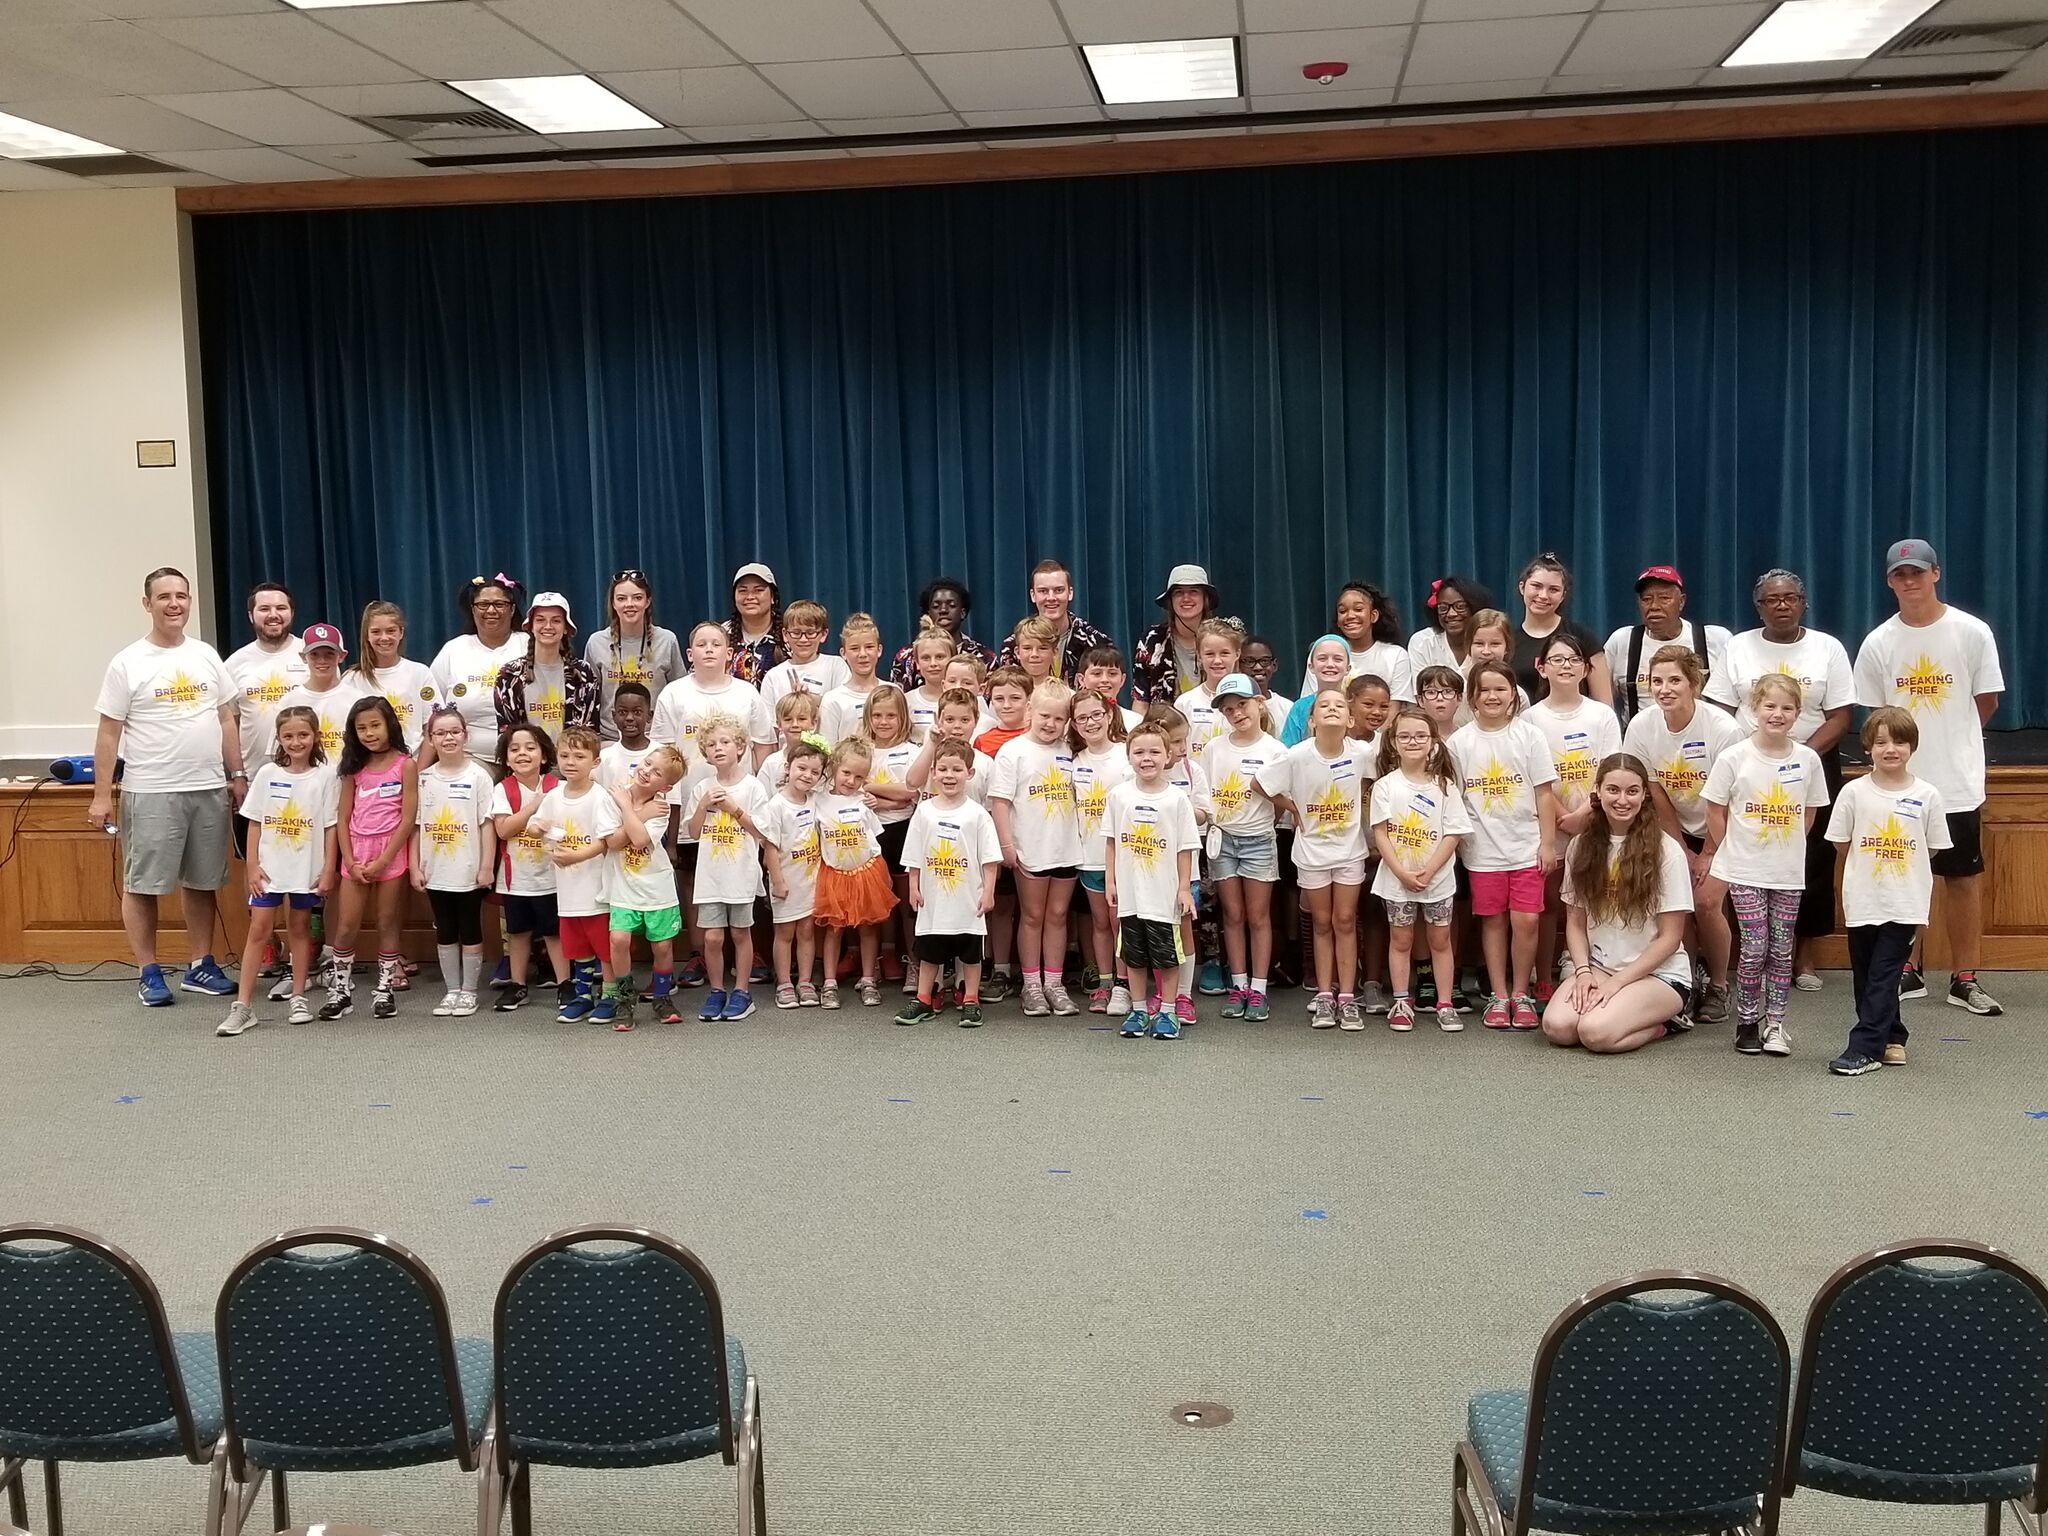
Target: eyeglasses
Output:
[
  {"x": 495, "y": 604},
  {"x": 1440, "y": 693}
]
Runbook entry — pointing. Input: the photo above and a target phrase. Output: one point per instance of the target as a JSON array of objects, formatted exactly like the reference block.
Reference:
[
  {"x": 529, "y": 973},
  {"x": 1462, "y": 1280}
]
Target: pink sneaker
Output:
[
  {"x": 1098, "y": 999},
  {"x": 1524, "y": 1016},
  {"x": 1496, "y": 1015},
  {"x": 1184, "y": 1009}
]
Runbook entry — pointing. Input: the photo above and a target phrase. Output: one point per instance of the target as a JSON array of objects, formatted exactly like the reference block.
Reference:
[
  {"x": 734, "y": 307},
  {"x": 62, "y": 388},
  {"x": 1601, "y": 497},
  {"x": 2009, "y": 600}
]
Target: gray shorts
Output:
[
  {"x": 173, "y": 838},
  {"x": 725, "y": 914},
  {"x": 1401, "y": 914},
  {"x": 1246, "y": 856}
]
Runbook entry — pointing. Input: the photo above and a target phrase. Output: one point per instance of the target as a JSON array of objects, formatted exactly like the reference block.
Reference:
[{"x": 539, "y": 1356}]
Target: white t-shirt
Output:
[
  {"x": 1037, "y": 779},
  {"x": 453, "y": 810},
  {"x": 295, "y": 810},
  {"x": 686, "y": 706},
  {"x": 817, "y": 677},
  {"x": 466, "y": 672},
  {"x": 1277, "y": 711},
  {"x": 1188, "y": 778},
  {"x": 1418, "y": 815},
  {"x": 168, "y": 700},
  {"x": 575, "y": 822},
  {"x": 1332, "y": 793},
  {"x": 839, "y": 715},
  {"x": 1463, "y": 717},
  {"x": 1499, "y": 773},
  {"x": 792, "y": 826},
  {"x": 728, "y": 858},
  {"x": 643, "y": 879},
  {"x": 1205, "y": 720},
  {"x": 1687, "y": 636},
  {"x": 1889, "y": 836},
  {"x": 1767, "y": 799},
  {"x": 951, "y": 847},
  {"x": 891, "y": 765},
  {"x": 1150, "y": 830},
  {"x": 410, "y": 689},
  {"x": 924, "y": 710},
  {"x": 1612, "y": 944},
  {"x": 1682, "y": 759},
  {"x": 849, "y": 834},
  {"x": 262, "y": 679},
  {"x": 524, "y": 868},
  {"x": 1816, "y": 661},
  {"x": 1385, "y": 660},
  {"x": 1095, "y": 775},
  {"x": 1577, "y": 741},
  {"x": 330, "y": 709},
  {"x": 1430, "y": 648},
  {"x": 1936, "y": 671},
  {"x": 617, "y": 763},
  {"x": 1233, "y": 774}
]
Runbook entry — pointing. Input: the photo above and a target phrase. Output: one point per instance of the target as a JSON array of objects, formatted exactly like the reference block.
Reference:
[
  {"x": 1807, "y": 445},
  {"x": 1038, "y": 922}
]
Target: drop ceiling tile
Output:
[
  {"x": 1938, "y": 63},
  {"x": 694, "y": 97},
  {"x": 1136, "y": 137},
  {"x": 1030, "y": 117},
  {"x": 137, "y": 9},
  {"x": 928, "y": 122},
  {"x": 740, "y": 133},
  {"x": 22, "y": 81},
  {"x": 270, "y": 117},
  {"x": 53, "y": 13},
  {"x": 2029, "y": 74},
  {"x": 1332, "y": 100},
  {"x": 1688, "y": 37},
  {"x": 121, "y": 57},
  {"x": 1011, "y": 79},
  {"x": 1450, "y": 51},
  {"x": 778, "y": 32},
  {"x": 1470, "y": 90},
  {"x": 285, "y": 49},
  {"x": 20, "y": 176},
  {"x": 159, "y": 179},
  {"x": 1140, "y": 21},
  {"x": 1771, "y": 74},
  {"x": 1489, "y": 10},
  {"x": 855, "y": 87},
  {"x": 388, "y": 100},
  {"x": 1274, "y": 60},
  {"x": 127, "y": 122},
  {"x": 386, "y": 159},
  {"x": 971, "y": 26},
  {"x": 1325, "y": 15},
  {"x": 258, "y": 163},
  {"x": 618, "y": 34},
  {"x": 622, "y": 138},
  {"x": 454, "y": 40},
  {"x": 1622, "y": 80}
]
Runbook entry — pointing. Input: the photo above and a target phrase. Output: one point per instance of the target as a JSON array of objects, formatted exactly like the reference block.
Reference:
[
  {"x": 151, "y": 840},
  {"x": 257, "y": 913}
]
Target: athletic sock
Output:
[
  {"x": 1258, "y": 985},
  {"x": 924, "y": 995},
  {"x": 341, "y": 969},
  {"x": 611, "y": 989},
  {"x": 1034, "y": 978},
  {"x": 472, "y": 969},
  {"x": 1241, "y": 981},
  {"x": 664, "y": 983},
  {"x": 1964, "y": 976},
  {"x": 1184, "y": 979},
  {"x": 450, "y": 956}
]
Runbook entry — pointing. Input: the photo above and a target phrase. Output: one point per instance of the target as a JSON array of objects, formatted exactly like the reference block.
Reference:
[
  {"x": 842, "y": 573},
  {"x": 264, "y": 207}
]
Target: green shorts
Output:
[{"x": 657, "y": 927}]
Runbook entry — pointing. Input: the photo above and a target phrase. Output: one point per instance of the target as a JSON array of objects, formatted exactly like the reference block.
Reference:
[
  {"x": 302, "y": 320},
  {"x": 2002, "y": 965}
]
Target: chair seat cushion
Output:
[
  {"x": 1495, "y": 1423},
  {"x": 1858, "y": 1482},
  {"x": 473, "y": 1364},
  {"x": 687, "y": 1445},
  {"x": 198, "y": 1364}
]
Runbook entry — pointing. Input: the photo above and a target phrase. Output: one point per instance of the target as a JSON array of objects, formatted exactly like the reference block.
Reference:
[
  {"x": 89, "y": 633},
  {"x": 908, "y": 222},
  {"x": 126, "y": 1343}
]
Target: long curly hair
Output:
[{"x": 1624, "y": 888}]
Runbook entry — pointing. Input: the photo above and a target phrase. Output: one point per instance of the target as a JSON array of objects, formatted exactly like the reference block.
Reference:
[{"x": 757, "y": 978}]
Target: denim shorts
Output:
[{"x": 1246, "y": 856}]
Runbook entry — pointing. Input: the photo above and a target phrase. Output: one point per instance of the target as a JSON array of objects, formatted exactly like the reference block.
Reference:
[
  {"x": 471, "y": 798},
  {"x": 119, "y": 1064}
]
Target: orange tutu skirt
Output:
[{"x": 853, "y": 900}]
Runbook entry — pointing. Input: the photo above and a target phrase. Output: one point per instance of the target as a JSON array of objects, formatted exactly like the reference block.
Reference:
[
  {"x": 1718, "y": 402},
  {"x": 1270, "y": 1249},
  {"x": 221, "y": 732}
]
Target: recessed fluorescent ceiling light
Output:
[
  {"x": 1815, "y": 31},
  {"x": 558, "y": 103},
  {"x": 21, "y": 139},
  {"x": 1187, "y": 69},
  {"x": 335, "y": 5}
]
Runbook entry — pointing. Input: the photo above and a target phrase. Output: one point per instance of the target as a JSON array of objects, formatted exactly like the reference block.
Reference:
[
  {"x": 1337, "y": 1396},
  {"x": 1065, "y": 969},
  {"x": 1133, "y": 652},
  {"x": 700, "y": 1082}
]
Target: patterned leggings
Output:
[{"x": 1763, "y": 970}]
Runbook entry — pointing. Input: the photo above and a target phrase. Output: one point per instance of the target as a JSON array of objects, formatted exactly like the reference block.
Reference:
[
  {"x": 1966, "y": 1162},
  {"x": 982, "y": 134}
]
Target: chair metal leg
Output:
[
  {"x": 1474, "y": 1510},
  {"x": 490, "y": 1490},
  {"x": 748, "y": 1472},
  {"x": 1991, "y": 1516},
  {"x": 53, "y": 1500},
  {"x": 11, "y": 1469},
  {"x": 280, "y": 1502},
  {"x": 522, "y": 1500}
]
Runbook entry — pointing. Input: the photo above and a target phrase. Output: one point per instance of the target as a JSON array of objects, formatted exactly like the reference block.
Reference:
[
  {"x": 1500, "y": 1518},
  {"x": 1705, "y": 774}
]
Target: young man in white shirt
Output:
[
  {"x": 1940, "y": 665},
  {"x": 263, "y": 672},
  {"x": 169, "y": 701}
]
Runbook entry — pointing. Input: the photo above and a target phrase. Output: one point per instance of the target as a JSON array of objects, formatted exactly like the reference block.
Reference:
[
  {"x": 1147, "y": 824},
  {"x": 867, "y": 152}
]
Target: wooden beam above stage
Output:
[{"x": 1399, "y": 141}]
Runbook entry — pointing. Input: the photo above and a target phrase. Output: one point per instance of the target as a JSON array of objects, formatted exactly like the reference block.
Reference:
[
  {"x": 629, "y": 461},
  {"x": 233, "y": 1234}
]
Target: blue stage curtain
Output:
[{"x": 1732, "y": 356}]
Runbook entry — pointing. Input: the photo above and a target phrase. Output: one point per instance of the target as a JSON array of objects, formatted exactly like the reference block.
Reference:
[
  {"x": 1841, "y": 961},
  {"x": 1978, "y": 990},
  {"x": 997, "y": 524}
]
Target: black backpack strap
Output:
[
  {"x": 1699, "y": 646},
  {"x": 1635, "y": 660}
]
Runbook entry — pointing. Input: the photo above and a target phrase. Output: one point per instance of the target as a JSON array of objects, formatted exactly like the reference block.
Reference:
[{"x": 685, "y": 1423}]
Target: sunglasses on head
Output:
[{"x": 634, "y": 574}]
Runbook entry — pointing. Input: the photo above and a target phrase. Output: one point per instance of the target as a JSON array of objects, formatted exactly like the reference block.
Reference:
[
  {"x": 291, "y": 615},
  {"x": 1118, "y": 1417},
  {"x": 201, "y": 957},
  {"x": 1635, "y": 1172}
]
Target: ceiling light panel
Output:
[
  {"x": 1814, "y": 31},
  {"x": 551, "y": 104},
  {"x": 21, "y": 139},
  {"x": 1183, "y": 69},
  {"x": 336, "y": 5}
]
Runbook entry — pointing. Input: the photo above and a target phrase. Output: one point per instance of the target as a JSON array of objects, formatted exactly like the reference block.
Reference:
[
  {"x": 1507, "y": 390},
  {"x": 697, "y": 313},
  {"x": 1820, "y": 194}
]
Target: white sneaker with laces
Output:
[
  {"x": 465, "y": 1005},
  {"x": 240, "y": 1020},
  {"x": 1777, "y": 1042},
  {"x": 302, "y": 1012},
  {"x": 1059, "y": 1000},
  {"x": 1036, "y": 1005},
  {"x": 446, "y": 1006},
  {"x": 1119, "y": 1001}
]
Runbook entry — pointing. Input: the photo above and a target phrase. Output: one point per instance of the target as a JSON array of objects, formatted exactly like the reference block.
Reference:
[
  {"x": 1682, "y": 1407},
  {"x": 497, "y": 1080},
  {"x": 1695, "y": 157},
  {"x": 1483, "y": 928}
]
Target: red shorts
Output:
[
  {"x": 1495, "y": 891},
  {"x": 586, "y": 938}
]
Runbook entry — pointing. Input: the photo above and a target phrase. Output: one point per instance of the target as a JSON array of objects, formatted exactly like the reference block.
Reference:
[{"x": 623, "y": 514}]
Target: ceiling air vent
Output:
[
  {"x": 1970, "y": 37},
  {"x": 108, "y": 165},
  {"x": 478, "y": 122}
]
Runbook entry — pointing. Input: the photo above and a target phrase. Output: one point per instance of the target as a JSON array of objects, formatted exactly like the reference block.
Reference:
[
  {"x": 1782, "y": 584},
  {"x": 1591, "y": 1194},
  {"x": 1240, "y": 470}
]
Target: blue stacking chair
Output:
[
  {"x": 1921, "y": 1384},
  {"x": 338, "y": 1362},
  {"x": 89, "y": 1367},
  {"x": 616, "y": 1357},
  {"x": 1645, "y": 1416}
]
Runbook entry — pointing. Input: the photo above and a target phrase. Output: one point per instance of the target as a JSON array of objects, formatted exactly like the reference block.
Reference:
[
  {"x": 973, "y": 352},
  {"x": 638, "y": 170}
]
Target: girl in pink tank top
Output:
[{"x": 378, "y": 804}]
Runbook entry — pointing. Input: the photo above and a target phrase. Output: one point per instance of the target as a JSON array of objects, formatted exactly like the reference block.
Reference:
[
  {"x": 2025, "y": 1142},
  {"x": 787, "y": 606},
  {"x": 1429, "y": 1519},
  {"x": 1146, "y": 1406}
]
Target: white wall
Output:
[{"x": 97, "y": 351}]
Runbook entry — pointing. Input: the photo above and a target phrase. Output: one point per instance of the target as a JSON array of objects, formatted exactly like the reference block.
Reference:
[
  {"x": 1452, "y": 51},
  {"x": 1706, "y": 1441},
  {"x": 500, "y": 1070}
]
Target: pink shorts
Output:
[
  {"x": 1495, "y": 891},
  {"x": 1337, "y": 874},
  {"x": 367, "y": 848}
]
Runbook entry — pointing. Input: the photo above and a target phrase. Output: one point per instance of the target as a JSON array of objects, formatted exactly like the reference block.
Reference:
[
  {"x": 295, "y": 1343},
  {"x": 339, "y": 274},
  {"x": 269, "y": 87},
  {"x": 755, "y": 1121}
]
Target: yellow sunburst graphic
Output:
[
  {"x": 1331, "y": 811},
  {"x": 1089, "y": 804},
  {"x": 628, "y": 669},
  {"x": 1231, "y": 792},
  {"x": 546, "y": 710},
  {"x": 881, "y": 774},
  {"x": 722, "y": 835},
  {"x": 804, "y": 853},
  {"x": 945, "y": 865},
  {"x": 1775, "y": 816},
  {"x": 574, "y": 838},
  {"x": 1574, "y": 775},
  {"x": 288, "y": 824},
  {"x": 330, "y": 739},
  {"x": 636, "y": 861},
  {"x": 1682, "y": 780},
  {"x": 1495, "y": 785},
  {"x": 1052, "y": 791},
  {"x": 446, "y": 831},
  {"x": 530, "y": 848},
  {"x": 1145, "y": 844},
  {"x": 266, "y": 691},
  {"x": 182, "y": 689},
  {"x": 1890, "y": 848},
  {"x": 1923, "y": 685},
  {"x": 1410, "y": 835},
  {"x": 488, "y": 678},
  {"x": 401, "y": 706}
]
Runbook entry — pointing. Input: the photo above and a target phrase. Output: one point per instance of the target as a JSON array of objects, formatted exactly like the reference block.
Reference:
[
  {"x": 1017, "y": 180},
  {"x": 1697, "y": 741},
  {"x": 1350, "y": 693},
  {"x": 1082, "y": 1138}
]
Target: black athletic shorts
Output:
[
  {"x": 891, "y": 840},
  {"x": 531, "y": 914},
  {"x": 948, "y": 948},
  {"x": 1149, "y": 944},
  {"x": 1966, "y": 831}
]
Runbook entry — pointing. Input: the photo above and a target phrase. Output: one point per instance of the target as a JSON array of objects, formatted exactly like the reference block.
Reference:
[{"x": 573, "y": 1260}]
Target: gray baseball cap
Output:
[{"x": 1910, "y": 554}]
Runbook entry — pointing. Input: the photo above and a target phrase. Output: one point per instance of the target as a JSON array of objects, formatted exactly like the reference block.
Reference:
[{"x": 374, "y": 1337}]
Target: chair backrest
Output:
[
  {"x": 85, "y": 1348},
  {"x": 336, "y": 1351},
  {"x": 610, "y": 1347},
  {"x": 1911, "y": 1368},
  {"x": 1658, "y": 1406}
]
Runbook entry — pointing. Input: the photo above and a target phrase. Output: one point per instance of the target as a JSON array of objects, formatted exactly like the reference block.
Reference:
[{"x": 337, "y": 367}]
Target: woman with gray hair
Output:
[{"x": 1819, "y": 663}]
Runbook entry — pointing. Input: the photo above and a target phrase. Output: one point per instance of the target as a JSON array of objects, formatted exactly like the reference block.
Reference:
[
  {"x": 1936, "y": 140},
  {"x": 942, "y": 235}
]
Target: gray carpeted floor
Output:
[{"x": 974, "y": 1270}]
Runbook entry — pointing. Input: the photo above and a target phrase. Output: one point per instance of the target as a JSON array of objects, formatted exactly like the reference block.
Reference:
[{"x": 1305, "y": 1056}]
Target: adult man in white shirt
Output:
[
  {"x": 263, "y": 672},
  {"x": 1660, "y": 598},
  {"x": 170, "y": 702},
  {"x": 1941, "y": 665}
]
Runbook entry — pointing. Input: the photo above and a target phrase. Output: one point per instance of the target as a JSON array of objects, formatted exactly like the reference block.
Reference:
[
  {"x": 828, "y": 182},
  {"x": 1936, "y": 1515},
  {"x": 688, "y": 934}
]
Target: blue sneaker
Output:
[
  {"x": 739, "y": 1004},
  {"x": 1165, "y": 1026},
  {"x": 151, "y": 989},
  {"x": 501, "y": 978},
  {"x": 761, "y": 975},
  {"x": 1211, "y": 982},
  {"x": 1133, "y": 1027},
  {"x": 207, "y": 977},
  {"x": 714, "y": 1007},
  {"x": 604, "y": 1011},
  {"x": 575, "y": 1010}
]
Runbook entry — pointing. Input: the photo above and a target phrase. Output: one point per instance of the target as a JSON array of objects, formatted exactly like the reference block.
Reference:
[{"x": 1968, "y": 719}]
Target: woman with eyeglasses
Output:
[
  {"x": 466, "y": 670},
  {"x": 631, "y": 648},
  {"x": 1446, "y": 641}
]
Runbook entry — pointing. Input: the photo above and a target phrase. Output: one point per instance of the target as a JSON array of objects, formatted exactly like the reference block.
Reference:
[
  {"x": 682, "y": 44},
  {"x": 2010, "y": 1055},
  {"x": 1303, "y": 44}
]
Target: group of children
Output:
[{"x": 951, "y": 824}]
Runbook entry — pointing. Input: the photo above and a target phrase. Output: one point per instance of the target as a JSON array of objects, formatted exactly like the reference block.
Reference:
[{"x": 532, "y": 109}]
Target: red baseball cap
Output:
[
  {"x": 1661, "y": 573},
  {"x": 317, "y": 635}
]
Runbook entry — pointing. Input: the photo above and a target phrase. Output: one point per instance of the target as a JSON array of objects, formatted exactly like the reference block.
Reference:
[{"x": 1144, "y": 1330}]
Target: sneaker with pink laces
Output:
[
  {"x": 1184, "y": 1009},
  {"x": 1524, "y": 1013},
  {"x": 1496, "y": 1015},
  {"x": 1098, "y": 999},
  {"x": 1233, "y": 1003}
]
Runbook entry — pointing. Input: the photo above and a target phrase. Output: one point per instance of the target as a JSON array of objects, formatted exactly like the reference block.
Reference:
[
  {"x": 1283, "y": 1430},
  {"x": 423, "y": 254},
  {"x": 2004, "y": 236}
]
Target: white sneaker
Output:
[
  {"x": 1119, "y": 1002},
  {"x": 465, "y": 1005},
  {"x": 1776, "y": 1041},
  {"x": 240, "y": 1020},
  {"x": 447, "y": 1005},
  {"x": 1035, "y": 1004},
  {"x": 302, "y": 1012},
  {"x": 1322, "y": 1011},
  {"x": 1058, "y": 999},
  {"x": 282, "y": 987}
]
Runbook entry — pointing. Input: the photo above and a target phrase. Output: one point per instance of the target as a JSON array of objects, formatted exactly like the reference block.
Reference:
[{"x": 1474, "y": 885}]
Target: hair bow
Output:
[
  {"x": 813, "y": 739},
  {"x": 1434, "y": 588}
]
